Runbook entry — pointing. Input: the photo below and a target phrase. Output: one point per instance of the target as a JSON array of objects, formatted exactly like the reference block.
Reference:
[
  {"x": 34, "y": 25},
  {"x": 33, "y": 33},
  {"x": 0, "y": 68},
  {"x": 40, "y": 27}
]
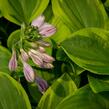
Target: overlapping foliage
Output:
[{"x": 80, "y": 46}]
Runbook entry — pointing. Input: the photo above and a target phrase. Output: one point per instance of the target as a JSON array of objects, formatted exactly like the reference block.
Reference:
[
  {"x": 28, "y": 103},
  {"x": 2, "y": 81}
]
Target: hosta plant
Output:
[{"x": 54, "y": 54}]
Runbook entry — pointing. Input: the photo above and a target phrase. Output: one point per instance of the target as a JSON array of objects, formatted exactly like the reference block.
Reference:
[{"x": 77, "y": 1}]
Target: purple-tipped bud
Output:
[
  {"x": 47, "y": 65},
  {"x": 42, "y": 84},
  {"x": 47, "y": 58},
  {"x": 35, "y": 58},
  {"x": 36, "y": 52},
  {"x": 24, "y": 55},
  {"x": 41, "y": 59},
  {"x": 43, "y": 43},
  {"x": 38, "y": 21},
  {"x": 13, "y": 62},
  {"x": 47, "y": 30},
  {"x": 28, "y": 72},
  {"x": 41, "y": 49}
]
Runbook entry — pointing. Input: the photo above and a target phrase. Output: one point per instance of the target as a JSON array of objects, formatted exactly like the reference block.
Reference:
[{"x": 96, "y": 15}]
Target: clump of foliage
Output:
[{"x": 54, "y": 54}]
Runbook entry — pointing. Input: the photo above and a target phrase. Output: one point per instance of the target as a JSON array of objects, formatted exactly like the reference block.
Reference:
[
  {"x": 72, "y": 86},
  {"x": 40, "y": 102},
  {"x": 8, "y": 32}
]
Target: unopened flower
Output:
[
  {"x": 47, "y": 30},
  {"x": 47, "y": 58},
  {"x": 38, "y": 22},
  {"x": 28, "y": 72},
  {"x": 43, "y": 43},
  {"x": 13, "y": 62},
  {"x": 44, "y": 28},
  {"x": 41, "y": 49},
  {"x": 42, "y": 84},
  {"x": 24, "y": 55},
  {"x": 47, "y": 65},
  {"x": 43, "y": 60},
  {"x": 35, "y": 58},
  {"x": 35, "y": 52}
]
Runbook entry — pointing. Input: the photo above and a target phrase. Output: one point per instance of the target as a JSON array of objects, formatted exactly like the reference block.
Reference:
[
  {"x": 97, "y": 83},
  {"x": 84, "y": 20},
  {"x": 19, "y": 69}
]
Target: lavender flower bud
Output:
[
  {"x": 47, "y": 58},
  {"x": 42, "y": 84},
  {"x": 47, "y": 30},
  {"x": 47, "y": 65},
  {"x": 13, "y": 62},
  {"x": 41, "y": 59},
  {"x": 38, "y": 21},
  {"x": 36, "y": 52},
  {"x": 41, "y": 49},
  {"x": 36, "y": 58},
  {"x": 43, "y": 43},
  {"x": 24, "y": 55},
  {"x": 28, "y": 72}
]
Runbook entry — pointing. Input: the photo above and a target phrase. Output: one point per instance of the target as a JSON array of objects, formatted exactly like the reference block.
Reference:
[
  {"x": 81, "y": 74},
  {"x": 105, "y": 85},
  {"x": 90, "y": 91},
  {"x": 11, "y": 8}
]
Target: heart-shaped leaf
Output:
[{"x": 89, "y": 49}]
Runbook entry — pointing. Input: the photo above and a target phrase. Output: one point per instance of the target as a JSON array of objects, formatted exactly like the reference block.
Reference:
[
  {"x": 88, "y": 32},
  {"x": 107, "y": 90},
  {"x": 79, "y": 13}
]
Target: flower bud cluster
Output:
[{"x": 39, "y": 56}]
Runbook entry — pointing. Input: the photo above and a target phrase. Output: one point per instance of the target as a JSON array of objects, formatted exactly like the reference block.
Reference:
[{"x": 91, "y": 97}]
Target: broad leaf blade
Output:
[
  {"x": 19, "y": 11},
  {"x": 62, "y": 33},
  {"x": 59, "y": 90},
  {"x": 5, "y": 55},
  {"x": 89, "y": 49},
  {"x": 83, "y": 98},
  {"x": 77, "y": 14},
  {"x": 0, "y": 14},
  {"x": 99, "y": 83},
  {"x": 12, "y": 95}
]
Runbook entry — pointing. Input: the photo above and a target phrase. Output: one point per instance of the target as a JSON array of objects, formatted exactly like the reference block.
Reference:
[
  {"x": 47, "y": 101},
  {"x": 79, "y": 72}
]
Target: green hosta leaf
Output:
[
  {"x": 105, "y": 96},
  {"x": 48, "y": 13},
  {"x": 62, "y": 32},
  {"x": 0, "y": 14},
  {"x": 4, "y": 59},
  {"x": 19, "y": 11},
  {"x": 99, "y": 83},
  {"x": 59, "y": 90},
  {"x": 61, "y": 56},
  {"x": 12, "y": 95},
  {"x": 89, "y": 49},
  {"x": 83, "y": 98},
  {"x": 14, "y": 39},
  {"x": 77, "y": 14}
]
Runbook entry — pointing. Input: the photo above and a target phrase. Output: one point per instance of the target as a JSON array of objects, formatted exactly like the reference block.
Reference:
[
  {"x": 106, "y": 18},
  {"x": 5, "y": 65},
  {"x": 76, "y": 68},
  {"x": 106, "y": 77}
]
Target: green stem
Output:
[{"x": 22, "y": 35}]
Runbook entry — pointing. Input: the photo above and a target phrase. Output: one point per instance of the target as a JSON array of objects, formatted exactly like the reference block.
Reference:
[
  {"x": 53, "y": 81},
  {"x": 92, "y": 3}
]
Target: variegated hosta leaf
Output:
[
  {"x": 89, "y": 48},
  {"x": 12, "y": 95},
  {"x": 19, "y": 11},
  {"x": 83, "y": 98},
  {"x": 77, "y": 14},
  {"x": 61, "y": 88},
  {"x": 5, "y": 55}
]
